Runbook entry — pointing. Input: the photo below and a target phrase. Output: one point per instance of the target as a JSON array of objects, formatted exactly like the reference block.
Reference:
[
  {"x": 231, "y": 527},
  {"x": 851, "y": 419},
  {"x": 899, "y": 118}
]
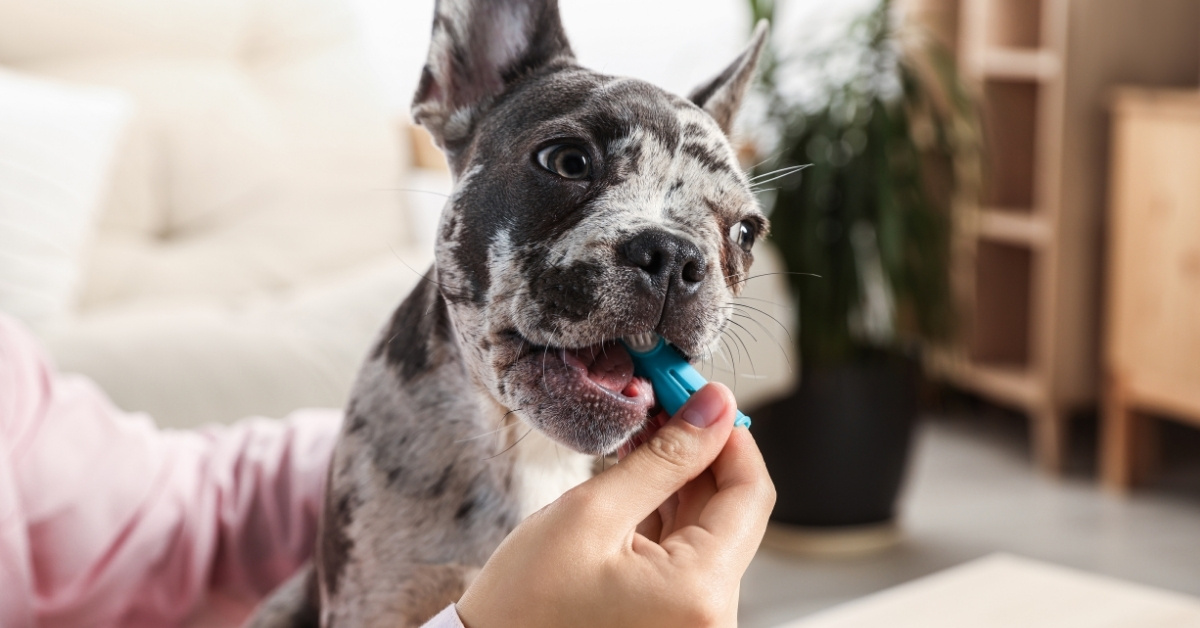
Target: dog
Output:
[{"x": 585, "y": 208}]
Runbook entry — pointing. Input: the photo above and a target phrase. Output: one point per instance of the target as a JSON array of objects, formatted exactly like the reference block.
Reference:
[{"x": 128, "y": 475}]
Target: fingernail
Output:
[{"x": 703, "y": 408}]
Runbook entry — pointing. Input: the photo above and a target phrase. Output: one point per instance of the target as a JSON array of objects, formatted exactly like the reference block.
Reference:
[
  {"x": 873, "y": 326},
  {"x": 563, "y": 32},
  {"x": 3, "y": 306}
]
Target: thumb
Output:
[{"x": 681, "y": 450}]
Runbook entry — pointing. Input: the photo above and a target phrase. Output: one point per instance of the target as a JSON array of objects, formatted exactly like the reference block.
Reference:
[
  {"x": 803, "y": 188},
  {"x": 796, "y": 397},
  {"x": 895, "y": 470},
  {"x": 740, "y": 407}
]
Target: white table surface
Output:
[{"x": 1004, "y": 591}]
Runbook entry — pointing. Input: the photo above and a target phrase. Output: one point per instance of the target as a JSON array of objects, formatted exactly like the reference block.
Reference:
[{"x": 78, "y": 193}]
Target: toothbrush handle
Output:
[{"x": 673, "y": 379}]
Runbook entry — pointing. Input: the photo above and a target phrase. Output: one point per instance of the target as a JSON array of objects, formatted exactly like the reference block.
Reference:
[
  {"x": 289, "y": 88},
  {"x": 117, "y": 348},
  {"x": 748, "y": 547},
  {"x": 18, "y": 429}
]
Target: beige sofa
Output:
[{"x": 254, "y": 234}]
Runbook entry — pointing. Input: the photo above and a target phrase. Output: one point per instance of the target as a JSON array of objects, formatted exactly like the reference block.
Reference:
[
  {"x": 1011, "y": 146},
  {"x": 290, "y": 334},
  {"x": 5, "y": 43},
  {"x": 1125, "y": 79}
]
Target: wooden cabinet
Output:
[
  {"x": 1026, "y": 257},
  {"x": 1152, "y": 329}
]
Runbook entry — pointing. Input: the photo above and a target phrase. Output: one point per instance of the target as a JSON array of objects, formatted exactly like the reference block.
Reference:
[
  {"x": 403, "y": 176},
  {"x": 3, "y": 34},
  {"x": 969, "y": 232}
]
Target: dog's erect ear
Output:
[
  {"x": 478, "y": 48},
  {"x": 722, "y": 96}
]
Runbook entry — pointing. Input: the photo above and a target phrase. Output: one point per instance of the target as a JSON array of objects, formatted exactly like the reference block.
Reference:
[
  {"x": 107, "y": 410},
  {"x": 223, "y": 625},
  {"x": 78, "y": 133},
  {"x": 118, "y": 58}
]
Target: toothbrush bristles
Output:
[{"x": 642, "y": 342}]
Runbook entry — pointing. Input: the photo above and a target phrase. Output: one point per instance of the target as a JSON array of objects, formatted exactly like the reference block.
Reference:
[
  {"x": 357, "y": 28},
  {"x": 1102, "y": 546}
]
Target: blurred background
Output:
[{"x": 974, "y": 330}]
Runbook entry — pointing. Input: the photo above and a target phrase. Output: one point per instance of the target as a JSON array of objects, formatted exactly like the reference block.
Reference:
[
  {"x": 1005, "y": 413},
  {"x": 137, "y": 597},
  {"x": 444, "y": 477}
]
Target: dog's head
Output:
[{"x": 585, "y": 208}]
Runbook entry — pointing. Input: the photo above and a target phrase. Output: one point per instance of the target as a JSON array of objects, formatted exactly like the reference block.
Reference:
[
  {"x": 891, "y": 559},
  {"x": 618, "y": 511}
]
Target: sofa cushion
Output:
[
  {"x": 261, "y": 154},
  {"x": 57, "y": 144}
]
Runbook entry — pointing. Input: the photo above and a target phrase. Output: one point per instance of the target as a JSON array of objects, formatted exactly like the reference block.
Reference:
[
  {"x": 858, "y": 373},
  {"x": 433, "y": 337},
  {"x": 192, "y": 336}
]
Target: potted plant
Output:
[{"x": 859, "y": 189}]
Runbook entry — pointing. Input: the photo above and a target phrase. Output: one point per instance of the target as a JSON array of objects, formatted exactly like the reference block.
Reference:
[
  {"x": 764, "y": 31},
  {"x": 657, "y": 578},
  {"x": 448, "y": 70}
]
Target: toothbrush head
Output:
[{"x": 642, "y": 342}]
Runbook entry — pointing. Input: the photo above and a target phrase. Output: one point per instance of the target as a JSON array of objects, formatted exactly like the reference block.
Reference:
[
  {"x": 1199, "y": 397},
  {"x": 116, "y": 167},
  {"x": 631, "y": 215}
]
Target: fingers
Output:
[
  {"x": 736, "y": 515},
  {"x": 693, "y": 499},
  {"x": 677, "y": 453},
  {"x": 651, "y": 527}
]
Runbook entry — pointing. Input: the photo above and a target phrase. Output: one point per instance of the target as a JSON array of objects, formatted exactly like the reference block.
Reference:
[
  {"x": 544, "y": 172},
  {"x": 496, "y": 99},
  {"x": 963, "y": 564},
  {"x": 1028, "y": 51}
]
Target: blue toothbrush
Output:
[{"x": 673, "y": 379}]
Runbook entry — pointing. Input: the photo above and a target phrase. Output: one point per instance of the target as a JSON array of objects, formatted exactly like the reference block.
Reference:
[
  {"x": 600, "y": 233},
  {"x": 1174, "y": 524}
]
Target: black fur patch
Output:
[
  {"x": 708, "y": 159},
  {"x": 438, "y": 488},
  {"x": 336, "y": 543},
  {"x": 356, "y": 423},
  {"x": 466, "y": 508},
  {"x": 309, "y": 615},
  {"x": 395, "y": 474},
  {"x": 568, "y": 293},
  {"x": 422, "y": 316}
]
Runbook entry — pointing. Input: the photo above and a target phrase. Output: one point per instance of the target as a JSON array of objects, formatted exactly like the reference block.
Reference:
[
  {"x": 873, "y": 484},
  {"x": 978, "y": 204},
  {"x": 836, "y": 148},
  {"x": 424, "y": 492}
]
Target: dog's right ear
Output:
[{"x": 478, "y": 48}]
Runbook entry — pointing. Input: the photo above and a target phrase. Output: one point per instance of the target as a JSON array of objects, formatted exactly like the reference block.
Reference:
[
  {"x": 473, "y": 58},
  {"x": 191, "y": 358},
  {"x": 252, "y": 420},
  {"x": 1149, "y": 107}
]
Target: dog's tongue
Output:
[{"x": 608, "y": 364}]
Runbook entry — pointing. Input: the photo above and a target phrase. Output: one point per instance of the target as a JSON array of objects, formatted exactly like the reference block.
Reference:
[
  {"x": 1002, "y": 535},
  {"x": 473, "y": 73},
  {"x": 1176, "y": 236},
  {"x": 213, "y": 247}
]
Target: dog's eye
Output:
[
  {"x": 742, "y": 234},
  {"x": 564, "y": 160}
]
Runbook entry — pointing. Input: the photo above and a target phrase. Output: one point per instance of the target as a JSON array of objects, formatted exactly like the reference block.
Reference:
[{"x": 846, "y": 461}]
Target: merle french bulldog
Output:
[{"x": 585, "y": 208}]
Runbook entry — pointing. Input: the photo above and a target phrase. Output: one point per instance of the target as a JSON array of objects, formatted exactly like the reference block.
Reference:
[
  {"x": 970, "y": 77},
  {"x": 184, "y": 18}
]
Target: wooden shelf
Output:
[
  {"x": 1012, "y": 226},
  {"x": 1026, "y": 267},
  {"x": 1005, "y": 384},
  {"x": 1016, "y": 64}
]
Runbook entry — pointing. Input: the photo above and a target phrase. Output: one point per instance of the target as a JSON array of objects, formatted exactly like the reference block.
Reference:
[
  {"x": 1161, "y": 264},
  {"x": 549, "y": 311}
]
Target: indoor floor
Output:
[{"x": 972, "y": 491}]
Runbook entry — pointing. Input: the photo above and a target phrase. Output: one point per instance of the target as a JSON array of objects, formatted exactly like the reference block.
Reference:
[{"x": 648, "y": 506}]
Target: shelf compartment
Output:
[
  {"x": 1013, "y": 386},
  {"x": 1000, "y": 335},
  {"x": 1017, "y": 64},
  {"x": 1012, "y": 226},
  {"x": 1010, "y": 132},
  {"x": 1013, "y": 23}
]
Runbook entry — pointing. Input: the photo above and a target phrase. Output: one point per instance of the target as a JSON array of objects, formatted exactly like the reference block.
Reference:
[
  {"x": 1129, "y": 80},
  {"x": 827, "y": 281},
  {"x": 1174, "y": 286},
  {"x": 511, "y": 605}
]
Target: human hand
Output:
[{"x": 661, "y": 539}]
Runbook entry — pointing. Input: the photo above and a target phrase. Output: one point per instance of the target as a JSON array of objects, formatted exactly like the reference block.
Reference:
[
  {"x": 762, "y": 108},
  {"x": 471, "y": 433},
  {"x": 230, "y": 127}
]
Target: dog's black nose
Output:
[{"x": 668, "y": 261}]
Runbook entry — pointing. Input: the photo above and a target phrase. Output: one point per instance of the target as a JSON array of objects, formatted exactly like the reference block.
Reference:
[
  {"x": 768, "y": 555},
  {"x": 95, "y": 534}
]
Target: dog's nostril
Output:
[
  {"x": 693, "y": 271},
  {"x": 655, "y": 264},
  {"x": 653, "y": 251}
]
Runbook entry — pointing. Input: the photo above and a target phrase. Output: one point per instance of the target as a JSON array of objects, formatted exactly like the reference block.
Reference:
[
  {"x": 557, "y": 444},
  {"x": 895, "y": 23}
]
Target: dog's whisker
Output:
[
  {"x": 771, "y": 157},
  {"x": 743, "y": 328},
  {"x": 446, "y": 291},
  {"x": 738, "y": 339},
  {"x": 785, "y": 172},
  {"x": 414, "y": 190},
  {"x": 508, "y": 414},
  {"x": 775, "y": 340},
  {"x": 730, "y": 285},
  {"x": 768, "y": 302},
  {"x": 509, "y": 448},
  {"x": 725, "y": 343},
  {"x": 737, "y": 376},
  {"x": 486, "y": 434},
  {"x": 777, "y": 171},
  {"x": 764, "y": 313}
]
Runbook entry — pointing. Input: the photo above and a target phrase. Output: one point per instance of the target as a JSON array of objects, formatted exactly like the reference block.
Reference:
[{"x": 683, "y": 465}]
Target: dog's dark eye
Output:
[
  {"x": 742, "y": 234},
  {"x": 564, "y": 160}
]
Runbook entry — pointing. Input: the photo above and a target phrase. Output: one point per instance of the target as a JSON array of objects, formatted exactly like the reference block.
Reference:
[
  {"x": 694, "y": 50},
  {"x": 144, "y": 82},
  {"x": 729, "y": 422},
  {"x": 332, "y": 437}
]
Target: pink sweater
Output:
[{"x": 105, "y": 520}]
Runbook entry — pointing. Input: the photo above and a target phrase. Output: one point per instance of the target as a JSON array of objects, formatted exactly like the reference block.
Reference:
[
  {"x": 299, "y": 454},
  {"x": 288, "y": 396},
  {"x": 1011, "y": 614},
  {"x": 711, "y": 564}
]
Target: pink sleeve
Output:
[
  {"x": 107, "y": 520},
  {"x": 448, "y": 618}
]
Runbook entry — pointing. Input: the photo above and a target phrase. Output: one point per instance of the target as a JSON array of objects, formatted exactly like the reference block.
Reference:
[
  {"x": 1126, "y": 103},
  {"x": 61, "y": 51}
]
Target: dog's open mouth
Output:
[
  {"x": 601, "y": 406},
  {"x": 609, "y": 366}
]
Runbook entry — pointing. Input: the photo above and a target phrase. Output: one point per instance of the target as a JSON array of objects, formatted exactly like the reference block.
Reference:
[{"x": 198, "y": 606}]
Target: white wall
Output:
[{"x": 674, "y": 43}]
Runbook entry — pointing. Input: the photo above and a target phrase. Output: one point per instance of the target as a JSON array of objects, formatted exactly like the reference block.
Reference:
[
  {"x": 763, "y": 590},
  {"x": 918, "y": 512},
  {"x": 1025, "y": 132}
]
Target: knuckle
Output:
[
  {"x": 581, "y": 501},
  {"x": 701, "y": 613},
  {"x": 672, "y": 447},
  {"x": 769, "y": 494}
]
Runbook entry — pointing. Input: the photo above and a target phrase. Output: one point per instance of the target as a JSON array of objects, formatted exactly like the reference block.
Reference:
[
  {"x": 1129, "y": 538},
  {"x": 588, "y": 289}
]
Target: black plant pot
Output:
[{"x": 837, "y": 448}]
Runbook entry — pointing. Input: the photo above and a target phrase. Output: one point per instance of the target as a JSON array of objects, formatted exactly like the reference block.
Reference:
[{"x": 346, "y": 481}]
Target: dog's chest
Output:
[{"x": 544, "y": 470}]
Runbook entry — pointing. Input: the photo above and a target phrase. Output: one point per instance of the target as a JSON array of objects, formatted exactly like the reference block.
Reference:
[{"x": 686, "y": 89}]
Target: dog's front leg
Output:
[{"x": 409, "y": 603}]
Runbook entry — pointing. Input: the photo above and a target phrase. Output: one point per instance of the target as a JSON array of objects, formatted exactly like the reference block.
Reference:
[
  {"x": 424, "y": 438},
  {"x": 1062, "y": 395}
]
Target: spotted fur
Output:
[{"x": 463, "y": 419}]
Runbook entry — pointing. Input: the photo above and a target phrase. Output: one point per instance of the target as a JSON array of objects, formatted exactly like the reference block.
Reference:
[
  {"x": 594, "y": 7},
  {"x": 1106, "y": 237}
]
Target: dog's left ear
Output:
[
  {"x": 722, "y": 96},
  {"x": 480, "y": 47}
]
